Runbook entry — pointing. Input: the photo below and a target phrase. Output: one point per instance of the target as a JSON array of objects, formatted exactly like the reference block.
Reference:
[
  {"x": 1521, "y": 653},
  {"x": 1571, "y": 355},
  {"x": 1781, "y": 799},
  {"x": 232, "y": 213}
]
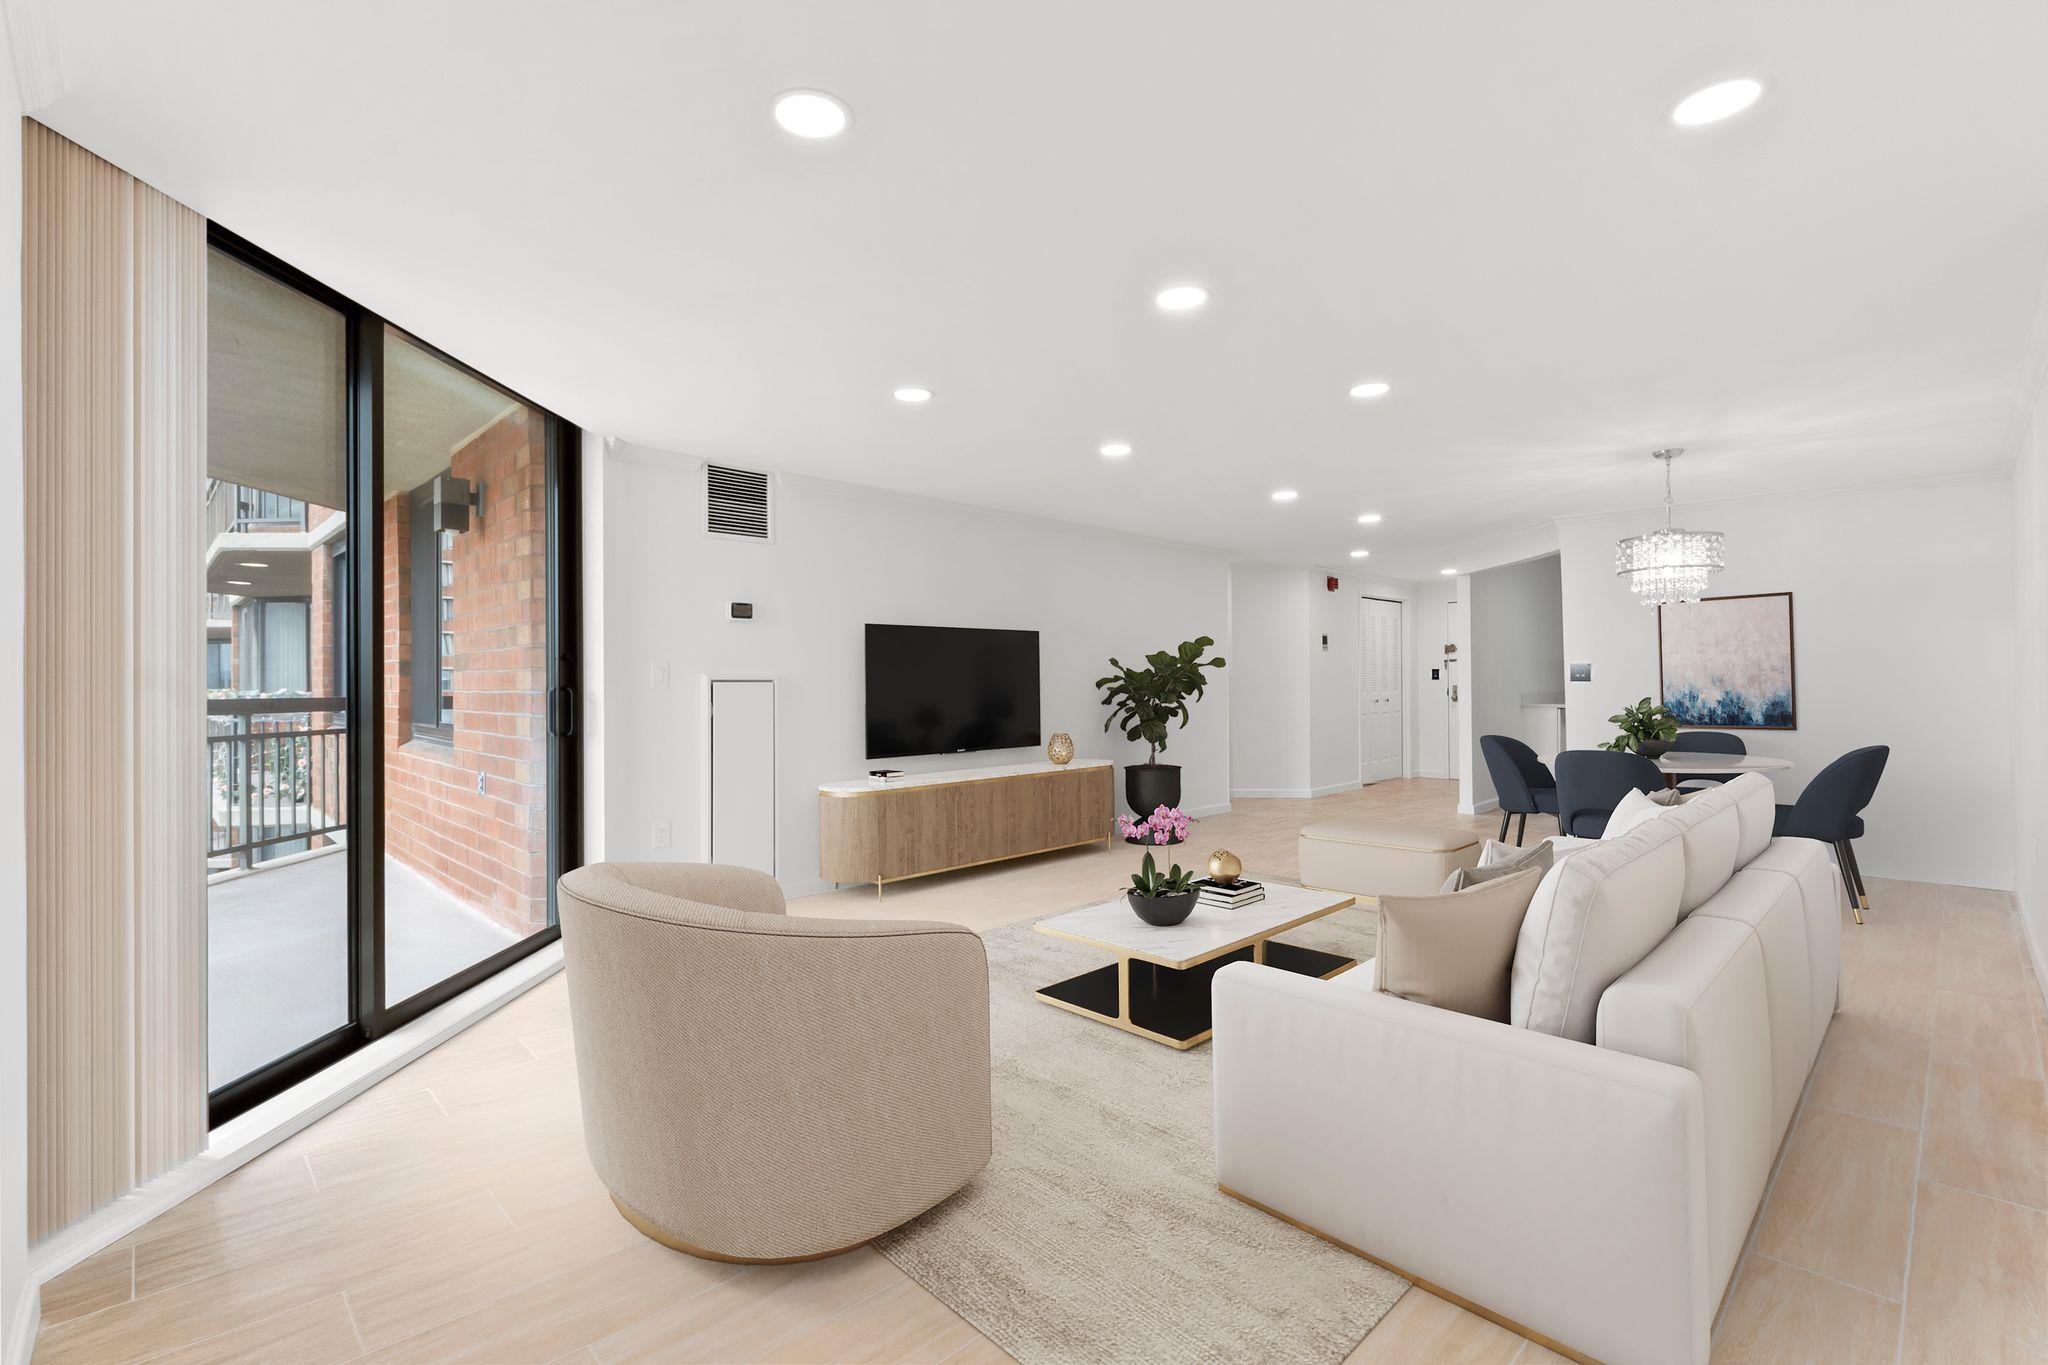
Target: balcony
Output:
[
  {"x": 259, "y": 543},
  {"x": 277, "y": 893}
]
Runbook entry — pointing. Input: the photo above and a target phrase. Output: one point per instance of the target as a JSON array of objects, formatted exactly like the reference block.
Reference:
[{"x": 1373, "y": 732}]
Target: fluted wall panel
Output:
[{"x": 114, "y": 410}]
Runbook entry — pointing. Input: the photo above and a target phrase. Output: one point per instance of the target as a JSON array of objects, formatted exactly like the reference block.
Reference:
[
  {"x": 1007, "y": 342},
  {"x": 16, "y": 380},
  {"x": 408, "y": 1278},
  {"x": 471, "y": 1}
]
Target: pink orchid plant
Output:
[{"x": 1166, "y": 825}]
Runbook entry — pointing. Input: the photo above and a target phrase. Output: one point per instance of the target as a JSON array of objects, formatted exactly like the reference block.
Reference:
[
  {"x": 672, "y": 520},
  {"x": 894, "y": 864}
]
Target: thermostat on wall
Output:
[{"x": 743, "y": 611}]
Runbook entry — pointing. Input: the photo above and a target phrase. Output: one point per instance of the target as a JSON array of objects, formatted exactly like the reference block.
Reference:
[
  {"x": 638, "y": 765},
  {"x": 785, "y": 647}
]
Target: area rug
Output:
[{"x": 1097, "y": 1233}]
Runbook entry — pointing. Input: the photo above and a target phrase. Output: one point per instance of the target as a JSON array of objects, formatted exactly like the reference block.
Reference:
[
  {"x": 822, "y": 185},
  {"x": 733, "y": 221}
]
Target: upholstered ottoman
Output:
[{"x": 1383, "y": 857}]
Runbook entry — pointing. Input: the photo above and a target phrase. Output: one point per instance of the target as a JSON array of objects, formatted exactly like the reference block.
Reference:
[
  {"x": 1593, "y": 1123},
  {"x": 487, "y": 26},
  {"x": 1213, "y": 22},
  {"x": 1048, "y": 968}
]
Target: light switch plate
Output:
[
  {"x": 1582, "y": 672},
  {"x": 657, "y": 676},
  {"x": 658, "y": 836}
]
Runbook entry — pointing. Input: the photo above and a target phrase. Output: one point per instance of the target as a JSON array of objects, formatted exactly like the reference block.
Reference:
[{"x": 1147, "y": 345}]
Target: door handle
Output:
[{"x": 1454, "y": 691}]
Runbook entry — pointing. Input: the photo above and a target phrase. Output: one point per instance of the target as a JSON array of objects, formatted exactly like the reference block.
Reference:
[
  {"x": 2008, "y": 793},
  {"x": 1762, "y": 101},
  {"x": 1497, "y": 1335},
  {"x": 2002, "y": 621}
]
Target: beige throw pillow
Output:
[
  {"x": 1498, "y": 860},
  {"x": 1456, "y": 952}
]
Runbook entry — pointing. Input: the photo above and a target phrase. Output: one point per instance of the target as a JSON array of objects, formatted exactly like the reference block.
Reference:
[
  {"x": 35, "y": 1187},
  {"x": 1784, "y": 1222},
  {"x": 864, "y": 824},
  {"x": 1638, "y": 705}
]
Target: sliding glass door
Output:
[
  {"x": 390, "y": 627},
  {"x": 278, "y": 922},
  {"x": 465, "y": 751}
]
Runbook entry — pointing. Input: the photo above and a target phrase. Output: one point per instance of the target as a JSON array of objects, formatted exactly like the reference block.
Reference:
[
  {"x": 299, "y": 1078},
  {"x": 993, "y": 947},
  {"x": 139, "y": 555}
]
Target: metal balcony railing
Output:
[
  {"x": 277, "y": 775},
  {"x": 237, "y": 507}
]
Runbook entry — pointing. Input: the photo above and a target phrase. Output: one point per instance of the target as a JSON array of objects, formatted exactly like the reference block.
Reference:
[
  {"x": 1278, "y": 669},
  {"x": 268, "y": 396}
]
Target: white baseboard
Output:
[
  {"x": 28, "y": 1322},
  {"x": 2034, "y": 945},
  {"x": 1479, "y": 807},
  {"x": 243, "y": 1139},
  {"x": 1291, "y": 793}
]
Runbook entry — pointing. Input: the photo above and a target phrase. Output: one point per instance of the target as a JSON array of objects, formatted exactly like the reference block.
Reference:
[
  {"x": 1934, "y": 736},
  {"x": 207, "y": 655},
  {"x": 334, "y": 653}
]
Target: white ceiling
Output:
[{"x": 1481, "y": 202}]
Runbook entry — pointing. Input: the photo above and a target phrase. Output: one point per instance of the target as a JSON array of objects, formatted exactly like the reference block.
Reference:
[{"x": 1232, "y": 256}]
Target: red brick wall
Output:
[
  {"x": 329, "y": 755},
  {"x": 489, "y": 848}
]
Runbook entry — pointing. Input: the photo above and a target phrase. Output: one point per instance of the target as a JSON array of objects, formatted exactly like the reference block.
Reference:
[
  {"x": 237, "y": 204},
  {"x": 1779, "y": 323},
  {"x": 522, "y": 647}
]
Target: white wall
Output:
[
  {"x": 18, "y": 1310},
  {"x": 590, "y": 724},
  {"x": 1903, "y": 635},
  {"x": 1294, "y": 716},
  {"x": 1517, "y": 649},
  {"x": 843, "y": 556},
  {"x": 2030, "y": 613}
]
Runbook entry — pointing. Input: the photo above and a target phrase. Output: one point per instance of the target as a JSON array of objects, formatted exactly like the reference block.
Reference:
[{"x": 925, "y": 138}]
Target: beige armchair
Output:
[{"x": 763, "y": 1088}]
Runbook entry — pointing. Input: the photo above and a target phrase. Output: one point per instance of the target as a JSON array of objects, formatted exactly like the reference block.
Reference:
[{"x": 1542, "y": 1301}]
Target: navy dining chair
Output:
[
  {"x": 1708, "y": 742},
  {"x": 1831, "y": 810},
  {"x": 1591, "y": 783},
  {"x": 1524, "y": 785}
]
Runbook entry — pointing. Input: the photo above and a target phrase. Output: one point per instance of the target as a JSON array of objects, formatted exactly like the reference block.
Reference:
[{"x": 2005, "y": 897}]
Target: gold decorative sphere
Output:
[
  {"x": 1060, "y": 748},
  {"x": 1225, "y": 867}
]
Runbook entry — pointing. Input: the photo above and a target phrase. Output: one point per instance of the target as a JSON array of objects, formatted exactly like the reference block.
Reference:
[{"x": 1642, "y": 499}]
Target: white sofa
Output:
[{"x": 1593, "y": 1184}]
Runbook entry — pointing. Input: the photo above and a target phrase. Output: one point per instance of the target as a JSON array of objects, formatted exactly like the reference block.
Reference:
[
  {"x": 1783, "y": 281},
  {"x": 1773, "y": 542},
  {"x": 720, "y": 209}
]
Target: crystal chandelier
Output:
[{"x": 1672, "y": 564}]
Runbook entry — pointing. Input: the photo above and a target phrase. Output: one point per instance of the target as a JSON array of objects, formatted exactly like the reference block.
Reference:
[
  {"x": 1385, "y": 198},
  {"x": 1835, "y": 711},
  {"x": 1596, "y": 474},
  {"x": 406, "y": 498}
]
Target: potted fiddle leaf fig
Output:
[
  {"x": 1646, "y": 728},
  {"x": 1161, "y": 898},
  {"x": 1144, "y": 702}
]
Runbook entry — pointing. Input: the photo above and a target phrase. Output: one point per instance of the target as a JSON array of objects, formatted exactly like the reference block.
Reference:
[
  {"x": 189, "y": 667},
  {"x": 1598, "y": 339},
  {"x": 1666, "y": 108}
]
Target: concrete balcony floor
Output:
[{"x": 277, "y": 949}]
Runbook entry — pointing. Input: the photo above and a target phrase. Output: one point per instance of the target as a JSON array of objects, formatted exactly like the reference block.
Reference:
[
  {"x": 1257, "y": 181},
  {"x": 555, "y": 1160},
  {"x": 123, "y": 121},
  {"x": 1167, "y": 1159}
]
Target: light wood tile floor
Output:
[{"x": 450, "y": 1214}]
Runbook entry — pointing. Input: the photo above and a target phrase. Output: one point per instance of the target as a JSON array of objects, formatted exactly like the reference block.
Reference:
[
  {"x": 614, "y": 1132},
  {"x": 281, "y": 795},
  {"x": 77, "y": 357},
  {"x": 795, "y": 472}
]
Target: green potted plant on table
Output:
[
  {"x": 1161, "y": 898},
  {"x": 1144, "y": 702},
  {"x": 1646, "y": 728}
]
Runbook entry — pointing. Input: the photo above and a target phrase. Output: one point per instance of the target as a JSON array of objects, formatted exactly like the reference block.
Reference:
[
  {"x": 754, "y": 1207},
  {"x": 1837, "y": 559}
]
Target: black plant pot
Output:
[
  {"x": 1656, "y": 748},
  {"x": 1163, "y": 911},
  {"x": 1148, "y": 786}
]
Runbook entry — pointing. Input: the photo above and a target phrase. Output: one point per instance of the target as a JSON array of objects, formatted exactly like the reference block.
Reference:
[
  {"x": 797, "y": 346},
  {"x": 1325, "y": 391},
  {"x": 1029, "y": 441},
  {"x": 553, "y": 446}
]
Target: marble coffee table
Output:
[{"x": 1158, "y": 987}]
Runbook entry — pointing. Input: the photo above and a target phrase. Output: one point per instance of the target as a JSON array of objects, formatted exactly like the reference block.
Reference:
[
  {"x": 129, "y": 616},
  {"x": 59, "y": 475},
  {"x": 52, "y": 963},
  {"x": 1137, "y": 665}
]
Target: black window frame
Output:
[
  {"x": 428, "y": 623},
  {"x": 359, "y": 678}
]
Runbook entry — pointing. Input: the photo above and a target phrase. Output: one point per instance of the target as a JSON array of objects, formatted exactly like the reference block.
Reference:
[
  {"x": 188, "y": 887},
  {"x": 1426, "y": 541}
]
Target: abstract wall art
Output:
[{"x": 1726, "y": 662}]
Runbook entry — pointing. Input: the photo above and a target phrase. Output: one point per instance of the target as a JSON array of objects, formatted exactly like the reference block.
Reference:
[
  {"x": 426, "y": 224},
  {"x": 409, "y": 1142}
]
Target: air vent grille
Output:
[{"x": 738, "y": 502}]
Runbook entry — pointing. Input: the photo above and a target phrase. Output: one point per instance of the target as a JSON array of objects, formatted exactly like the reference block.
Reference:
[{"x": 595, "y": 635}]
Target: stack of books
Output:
[
  {"x": 1233, "y": 896},
  {"x": 883, "y": 777}
]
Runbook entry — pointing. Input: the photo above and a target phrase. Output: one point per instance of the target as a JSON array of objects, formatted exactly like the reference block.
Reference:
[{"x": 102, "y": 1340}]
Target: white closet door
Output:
[
  {"x": 1379, "y": 689},
  {"x": 743, "y": 773}
]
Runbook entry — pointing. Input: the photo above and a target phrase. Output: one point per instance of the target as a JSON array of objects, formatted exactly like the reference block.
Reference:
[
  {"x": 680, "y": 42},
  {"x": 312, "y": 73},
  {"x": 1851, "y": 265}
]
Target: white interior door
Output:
[
  {"x": 742, "y": 804},
  {"x": 1451, "y": 698},
  {"x": 1379, "y": 690}
]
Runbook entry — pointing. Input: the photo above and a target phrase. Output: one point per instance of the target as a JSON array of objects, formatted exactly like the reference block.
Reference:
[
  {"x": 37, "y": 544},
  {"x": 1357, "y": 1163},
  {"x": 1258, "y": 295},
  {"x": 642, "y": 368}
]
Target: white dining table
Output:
[{"x": 1679, "y": 764}]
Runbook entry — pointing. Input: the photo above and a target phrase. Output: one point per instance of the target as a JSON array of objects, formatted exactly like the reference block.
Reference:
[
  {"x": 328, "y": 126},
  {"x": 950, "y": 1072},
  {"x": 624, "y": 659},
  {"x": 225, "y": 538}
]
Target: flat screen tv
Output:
[{"x": 949, "y": 690}]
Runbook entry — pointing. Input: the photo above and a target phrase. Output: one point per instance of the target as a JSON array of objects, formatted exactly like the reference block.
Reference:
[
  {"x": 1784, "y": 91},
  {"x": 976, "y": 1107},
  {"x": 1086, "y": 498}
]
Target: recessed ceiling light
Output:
[
  {"x": 1368, "y": 519},
  {"x": 811, "y": 114},
  {"x": 251, "y": 564},
  {"x": 913, "y": 394},
  {"x": 1376, "y": 388},
  {"x": 1285, "y": 495},
  {"x": 1717, "y": 102},
  {"x": 1360, "y": 554},
  {"x": 1115, "y": 450},
  {"x": 239, "y": 583},
  {"x": 1181, "y": 298},
  {"x": 1447, "y": 572}
]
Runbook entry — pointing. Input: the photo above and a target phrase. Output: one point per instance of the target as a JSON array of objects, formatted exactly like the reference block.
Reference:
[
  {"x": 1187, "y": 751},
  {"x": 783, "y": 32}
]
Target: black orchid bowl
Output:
[
  {"x": 1162, "y": 911},
  {"x": 1149, "y": 842}
]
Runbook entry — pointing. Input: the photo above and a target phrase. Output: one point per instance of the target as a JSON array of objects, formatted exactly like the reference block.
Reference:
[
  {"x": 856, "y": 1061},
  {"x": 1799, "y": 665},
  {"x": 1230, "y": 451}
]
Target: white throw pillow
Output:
[
  {"x": 1595, "y": 915},
  {"x": 1638, "y": 806}
]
